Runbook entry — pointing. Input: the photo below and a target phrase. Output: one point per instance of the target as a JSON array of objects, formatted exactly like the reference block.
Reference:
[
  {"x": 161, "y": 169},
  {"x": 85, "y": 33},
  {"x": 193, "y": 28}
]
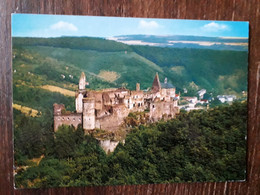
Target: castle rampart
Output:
[{"x": 63, "y": 118}]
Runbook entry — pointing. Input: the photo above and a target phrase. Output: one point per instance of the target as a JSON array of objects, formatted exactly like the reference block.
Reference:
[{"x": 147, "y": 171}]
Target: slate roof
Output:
[
  {"x": 167, "y": 86},
  {"x": 157, "y": 85}
]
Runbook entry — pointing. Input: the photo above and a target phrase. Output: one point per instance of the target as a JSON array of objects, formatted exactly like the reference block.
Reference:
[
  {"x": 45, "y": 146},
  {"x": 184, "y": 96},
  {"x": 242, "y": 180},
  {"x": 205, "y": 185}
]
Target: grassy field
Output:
[
  {"x": 59, "y": 90},
  {"x": 110, "y": 76},
  {"x": 26, "y": 110}
]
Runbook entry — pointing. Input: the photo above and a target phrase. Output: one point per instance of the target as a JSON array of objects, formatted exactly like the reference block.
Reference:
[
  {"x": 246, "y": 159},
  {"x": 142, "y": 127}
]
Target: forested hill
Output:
[
  {"x": 84, "y": 43},
  {"x": 112, "y": 64},
  {"x": 195, "y": 147}
]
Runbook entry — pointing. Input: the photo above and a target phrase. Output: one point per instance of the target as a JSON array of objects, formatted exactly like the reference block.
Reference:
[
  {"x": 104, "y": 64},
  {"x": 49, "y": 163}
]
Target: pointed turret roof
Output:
[
  {"x": 82, "y": 81},
  {"x": 82, "y": 76},
  {"x": 156, "y": 84}
]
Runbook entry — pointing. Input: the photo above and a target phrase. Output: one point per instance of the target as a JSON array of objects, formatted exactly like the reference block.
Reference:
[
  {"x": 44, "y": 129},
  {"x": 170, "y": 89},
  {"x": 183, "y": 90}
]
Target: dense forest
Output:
[{"x": 195, "y": 146}]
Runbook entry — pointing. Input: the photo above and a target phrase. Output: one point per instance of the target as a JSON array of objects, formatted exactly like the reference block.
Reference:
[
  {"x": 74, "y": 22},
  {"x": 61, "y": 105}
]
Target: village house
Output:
[
  {"x": 226, "y": 98},
  {"x": 201, "y": 93},
  {"x": 107, "y": 109},
  {"x": 192, "y": 101}
]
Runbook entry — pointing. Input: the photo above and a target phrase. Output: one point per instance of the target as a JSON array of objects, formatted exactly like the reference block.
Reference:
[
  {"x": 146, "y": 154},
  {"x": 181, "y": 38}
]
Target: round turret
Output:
[{"x": 89, "y": 113}]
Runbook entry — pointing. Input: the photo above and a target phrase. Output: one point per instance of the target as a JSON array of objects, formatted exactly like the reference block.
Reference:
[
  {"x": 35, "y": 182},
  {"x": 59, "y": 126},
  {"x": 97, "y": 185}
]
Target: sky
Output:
[{"x": 37, "y": 25}]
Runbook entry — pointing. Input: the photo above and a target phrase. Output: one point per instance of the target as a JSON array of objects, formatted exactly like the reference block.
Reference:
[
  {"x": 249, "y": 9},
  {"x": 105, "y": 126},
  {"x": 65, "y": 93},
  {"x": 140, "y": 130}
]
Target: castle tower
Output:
[
  {"x": 82, "y": 81},
  {"x": 156, "y": 84},
  {"x": 79, "y": 94},
  {"x": 57, "y": 109},
  {"x": 137, "y": 86},
  {"x": 57, "y": 112},
  {"x": 78, "y": 102},
  {"x": 88, "y": 114}
]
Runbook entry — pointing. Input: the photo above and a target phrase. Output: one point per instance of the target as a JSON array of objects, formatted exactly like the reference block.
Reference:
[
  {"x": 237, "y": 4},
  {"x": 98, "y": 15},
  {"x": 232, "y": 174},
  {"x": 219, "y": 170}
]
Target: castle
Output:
[{"x": 107, "y": 109}]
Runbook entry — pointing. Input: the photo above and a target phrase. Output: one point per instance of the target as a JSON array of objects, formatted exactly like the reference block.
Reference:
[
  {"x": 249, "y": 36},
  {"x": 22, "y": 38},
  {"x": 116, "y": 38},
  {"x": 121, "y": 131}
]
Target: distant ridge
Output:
[{"x": 181, "y": 41}]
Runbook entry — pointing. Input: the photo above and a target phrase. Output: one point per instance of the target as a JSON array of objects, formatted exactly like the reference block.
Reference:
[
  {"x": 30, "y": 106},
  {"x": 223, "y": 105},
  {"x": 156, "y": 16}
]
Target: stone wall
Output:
[
  {"x": 112, "y": 122},
  {"x": 162, "y": 110},
  {"x": 98, "y": 96},
  {"x": 74, "y": 119}
]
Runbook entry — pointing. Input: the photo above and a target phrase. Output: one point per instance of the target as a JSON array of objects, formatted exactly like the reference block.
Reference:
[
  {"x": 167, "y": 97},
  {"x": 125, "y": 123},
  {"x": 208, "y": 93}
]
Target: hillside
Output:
[{"x": 218, "y": 71}]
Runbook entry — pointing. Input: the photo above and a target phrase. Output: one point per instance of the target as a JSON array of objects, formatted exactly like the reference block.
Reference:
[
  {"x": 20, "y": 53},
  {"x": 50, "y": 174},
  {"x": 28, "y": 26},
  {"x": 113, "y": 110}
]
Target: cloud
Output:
[
  {"x": 148, "y": 25},
  {"x": 215, "y": 27},
  {"x": 61, "y": 25}
]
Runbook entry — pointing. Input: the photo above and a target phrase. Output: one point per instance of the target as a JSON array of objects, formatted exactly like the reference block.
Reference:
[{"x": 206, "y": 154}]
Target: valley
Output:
[{"x": 47, "y": 71}]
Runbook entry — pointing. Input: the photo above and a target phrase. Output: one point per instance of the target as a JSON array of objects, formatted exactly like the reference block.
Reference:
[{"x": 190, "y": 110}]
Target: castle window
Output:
[
  {"x": 79, "y": 119},
  {"x": 153, "y": 106},
  {"x": 68, "y": 118},
  {"x": 133, "y": 105},
  {"x": 63, "y": 118},
  {"x": 73, "y": 119},
  {"x": 138, "y": 104}
]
